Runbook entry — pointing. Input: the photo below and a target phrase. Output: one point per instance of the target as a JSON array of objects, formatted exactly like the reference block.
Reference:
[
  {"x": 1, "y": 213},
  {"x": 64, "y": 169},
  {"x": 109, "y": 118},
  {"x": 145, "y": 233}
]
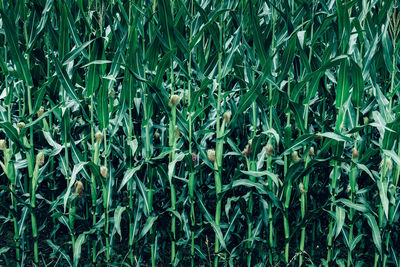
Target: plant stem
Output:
[
  {"x": 10, "y": 173},
  {"x": 149, "y": 169},
  {"x": 105, "y": 200},
  {"x": 11, "y": 176},
  {"x": 131, "y": 85},
  {"x": 269, "y": 158},
  {"x": 288, "y": 188},
  {"x": 392, "y": 183},
  {"x": 172, "y": 144},
  {"x": 251, "y": 166},
  {"x": 333, "y": 188},
  {"x": 380, "y": 209},
  {"x": 353, "y": 182},
  {"x": 192, "y": 181},
  {"x": 303, "y": 208},
  {"x": 219, "y": 143},
  {"x": 130, "y": 159},
  {"x": 336, "y": 150},
  {"x": 392, "y": 203},
  {"x": 306, "y": 178},
  {"x": 31, "y": 175},
  {"x": 33, "y": 215},
  {"x": 95, "y": 158}
]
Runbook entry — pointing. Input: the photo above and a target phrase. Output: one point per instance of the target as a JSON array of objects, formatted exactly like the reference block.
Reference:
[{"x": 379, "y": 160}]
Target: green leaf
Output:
[
  {"x": 42, "y": 23},
  {"x": 77, "y": 249},
  {"x": 383, "y": 195},
  {"x": 102, "y": 106},
  {"x": 162, "y": 66},
  {"x": 298, "y": 111},
  {"x": 74, "y": 53},
  {"x": 12, "y": 133},
  {"x": 12, "y": 39},
  {"x": 59, "y": 250},
  {"x": 364, "y": 168},
  {"x": 93, "y": 74},
  {"x": 340, "y": 216},
  {"x": 210, "y": 220},
  {"x": 353, "y": 243},
  {"x": 95, "y": 169},
  {"x": 210, "y": 22},
  {"x": 358, "y": 85},
  {"x": 117, "y": 219},
  {"x": 245, "y": 182},
  {"x": 335, "y": 136},
  {"x": 352, "y": 205},
  {"x": 148, "y": 225},
  {"x": 387, "y": 50},
  {"x": 258, "y": 36},
  {"x": 287, "y": 57},
  {"x": 247, "y": 99},
  {"x": 264, "y": 173},
  {"x": 376, "y": 234},
  {"x": 143, "y": 191},
  {"x": 343, "y": 85},
  {"x": 65, "y": 80},
  {"x": 128, "y": 175},
  {"x": 75, "y": 171},
  {"x": 299, "y": 143},
  {"x": 393, "y": 155},
  {"x": 171, "y": 165}
]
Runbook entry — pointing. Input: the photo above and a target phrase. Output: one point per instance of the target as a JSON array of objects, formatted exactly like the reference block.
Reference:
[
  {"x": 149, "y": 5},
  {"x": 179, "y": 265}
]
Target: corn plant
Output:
[{"x": 201, "y": 133}]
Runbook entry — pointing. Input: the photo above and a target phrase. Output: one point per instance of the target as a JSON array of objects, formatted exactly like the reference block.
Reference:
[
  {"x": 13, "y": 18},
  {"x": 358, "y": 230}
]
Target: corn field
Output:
[{"x": 199, "y": 132}]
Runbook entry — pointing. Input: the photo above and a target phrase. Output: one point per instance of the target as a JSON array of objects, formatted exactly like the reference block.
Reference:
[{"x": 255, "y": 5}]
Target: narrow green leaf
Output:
[
  {"x": 376, "y": 234},
  {"x": 75, "y": 171},
  {"x": 210, "y": 220},
  {"x": 162, "y": 66},
  {"x": 59, "y": 251},
  {"x": 247, "y": 99},
  {"x": 353, "y": 243},
  {"x": 298, "y": 111},
  {"x": 128, "y": 175},
  {"x": 383, "y": 195},
  {"x": 148, "y": 225},
  {"x": 358, "y": 85},
  {"x": 74, "y": 53},
  {"x": 392, "y": 155},
  {"x": 258, "y": 36},
  {"x": 287, "y": 57},
  {"x": 171, "y": 165},
  {"x": 343, "y": 85},
  {"x": 102, "y": 106},
  {"x": 12, "y": 39},
  {"x": 264, "y": 173},
  {"x": 65, "y": 80},
  {"x": 77, "y": 249},
  {"x": 11, "y": 133},
  {"x": 335, "y": 136},
  {"x": 352, "y": 205},
  {"x": 117, "y": 219},
  {"x": 340, "y": 216}
]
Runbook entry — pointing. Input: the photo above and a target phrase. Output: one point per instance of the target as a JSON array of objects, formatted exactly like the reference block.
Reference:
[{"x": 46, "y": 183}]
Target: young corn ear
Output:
[
  {"x": 104, "y": 171},
  {"x": 79, "y": 188},
  {"x": 3, "y": 144}
]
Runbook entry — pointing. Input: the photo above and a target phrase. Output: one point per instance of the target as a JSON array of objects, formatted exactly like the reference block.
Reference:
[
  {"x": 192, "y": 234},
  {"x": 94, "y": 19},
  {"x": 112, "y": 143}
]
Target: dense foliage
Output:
[{"x": 239, "y": 133}]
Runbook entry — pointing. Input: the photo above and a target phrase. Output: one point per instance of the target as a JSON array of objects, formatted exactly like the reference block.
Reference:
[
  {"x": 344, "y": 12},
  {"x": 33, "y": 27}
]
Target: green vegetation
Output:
[{"x": 201, "y": 133}]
